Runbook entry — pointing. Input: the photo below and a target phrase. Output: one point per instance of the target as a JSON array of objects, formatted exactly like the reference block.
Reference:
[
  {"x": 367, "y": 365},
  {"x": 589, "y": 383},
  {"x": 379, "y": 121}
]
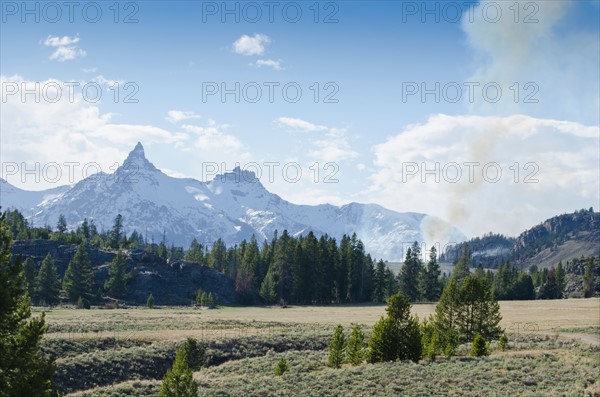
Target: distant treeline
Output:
[{"x": 309, "y": 269}]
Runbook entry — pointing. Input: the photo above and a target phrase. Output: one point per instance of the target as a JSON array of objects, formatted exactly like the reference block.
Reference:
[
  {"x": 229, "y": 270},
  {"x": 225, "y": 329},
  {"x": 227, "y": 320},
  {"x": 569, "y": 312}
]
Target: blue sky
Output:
[{"x": 372, "y": 53}]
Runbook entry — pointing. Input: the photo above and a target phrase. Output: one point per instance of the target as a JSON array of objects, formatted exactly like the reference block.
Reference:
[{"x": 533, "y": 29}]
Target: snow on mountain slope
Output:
[
  {"x": 232, "y": 206},
  {"x": 25, "y": 200}
]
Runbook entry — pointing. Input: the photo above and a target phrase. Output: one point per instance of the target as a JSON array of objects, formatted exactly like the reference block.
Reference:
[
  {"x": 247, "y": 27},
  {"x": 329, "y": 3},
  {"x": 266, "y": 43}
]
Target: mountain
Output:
[
  {"x": 560, "y": 238},
  {"x": 233, "y": 206}
]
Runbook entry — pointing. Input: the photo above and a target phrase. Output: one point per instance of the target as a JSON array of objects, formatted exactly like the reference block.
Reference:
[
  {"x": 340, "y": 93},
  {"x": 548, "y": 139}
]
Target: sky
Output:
[{"x": 485, "y": 114}]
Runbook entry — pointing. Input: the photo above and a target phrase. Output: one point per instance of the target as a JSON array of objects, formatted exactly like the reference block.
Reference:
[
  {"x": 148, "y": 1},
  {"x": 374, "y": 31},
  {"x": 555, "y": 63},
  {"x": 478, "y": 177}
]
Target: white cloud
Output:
[
  {"x": 56, "y": 41},
  {"x": 62, "y": 54},
  {"x": 75, "y": 131},
  {"x": 562, "y": 156},
  {"x": 333, "y": 144},
  {"x": 212, "y": 138},
  {"x": 299, "y": 124},
  {"x": 100, "y": 79},
  {"x": 276, "y": 65},
  {"x": 65, "y": 48},
  {"x": 175, "y": 116},
  {"x": 251, "y": 45}
]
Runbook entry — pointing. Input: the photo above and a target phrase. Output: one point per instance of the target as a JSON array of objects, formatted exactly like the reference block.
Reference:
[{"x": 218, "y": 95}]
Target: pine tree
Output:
[
  {"x": 281, "y": 367},
  {"x": 116, "y": 232},
  {"x": 24, "y": 371},
  {"x": 61, "y": 225},
  {"x": 432, "y": 287},
  {"x": 560, "y": 280},
  {"x": 396, "y": 336},
  {"x": 410, "y": 273},
  {"x": 479, "y": 313},
  {"x": 467, "y": 310},
  {"x": 355, "y": 349},
  {"x": 194, "y": 354},
  {"x": 461, "y": 268},
  {"x": 336, "y": 347},
  {"x": 115, "y": 285},
  {"x": 549, "y": 289},
  {"x": 79, "y": 277},
  {"x": 47, "y": 283},
  {"x": 179, "y": 380},
  {"x": 150, "y": 301},
  {"x": 479, "y": 347},
  {"x": 195, "y": 254},
  {"x": 29, "y": 271}
]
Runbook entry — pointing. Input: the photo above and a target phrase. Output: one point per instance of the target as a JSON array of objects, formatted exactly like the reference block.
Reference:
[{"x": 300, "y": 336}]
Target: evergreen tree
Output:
[
  {"x": 163, "y": 252},
  {"x": 410, "y": 273},
  {"x": 115, "y": 285},
  {"x": 337, "y": 347},
  {"x": 588, "y": 279},
  {"x": 194, "y": 354},
  {"x": 479, "y": 347},
  {"x": 29, "y": 272},
  {"x": 479, "y": 313},
  {"x": 550, "y": 288},
  {"x": 281, "y": 367},
  {"x": 396, "y": 336},
  {"x": 61, "y": 225},
  {"x": 218, "y": 256},
  {"x": 467, "y": 310},
  {"x": 560, "y": 280},
  {"x": 461, "y": 268},
  {"x": 379, "y": 282},
  {"x": 79, "y": 277},
  {"x": 179, "y": 380},
  {"x": 116, "y": 232},
  {"x": 355, "y": 349},
  {"x": 431, "y": 286},
  {"x": 150, "y": 301},
  {"x": 24, "y": 371},
  {"x": 524, "y": 289},
  {"x": 47, "y": 283}
]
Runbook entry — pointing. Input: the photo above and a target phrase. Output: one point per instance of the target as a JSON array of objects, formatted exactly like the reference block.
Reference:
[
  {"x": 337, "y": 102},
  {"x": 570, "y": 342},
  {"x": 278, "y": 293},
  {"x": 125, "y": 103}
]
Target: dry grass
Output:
[{"x": 176, "y": 323}]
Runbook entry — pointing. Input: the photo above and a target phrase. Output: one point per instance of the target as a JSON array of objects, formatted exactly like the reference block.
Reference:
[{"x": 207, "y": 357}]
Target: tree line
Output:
[{"x": 287, "y": 269}]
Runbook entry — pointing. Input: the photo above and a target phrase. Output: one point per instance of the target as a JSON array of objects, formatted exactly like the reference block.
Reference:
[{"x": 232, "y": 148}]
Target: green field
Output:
[{"x": 120, "y": 352}]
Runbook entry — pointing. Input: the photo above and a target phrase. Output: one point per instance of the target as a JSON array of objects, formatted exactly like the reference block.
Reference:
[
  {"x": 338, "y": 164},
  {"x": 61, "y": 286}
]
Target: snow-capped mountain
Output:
[{"x": 232, "y": 206}]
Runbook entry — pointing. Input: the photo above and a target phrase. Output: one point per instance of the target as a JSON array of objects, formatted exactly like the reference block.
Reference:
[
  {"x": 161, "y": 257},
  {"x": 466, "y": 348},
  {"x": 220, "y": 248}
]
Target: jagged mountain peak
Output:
[
  {"x": 233, "y": 206},
  {"x": 137, "y": 159}
]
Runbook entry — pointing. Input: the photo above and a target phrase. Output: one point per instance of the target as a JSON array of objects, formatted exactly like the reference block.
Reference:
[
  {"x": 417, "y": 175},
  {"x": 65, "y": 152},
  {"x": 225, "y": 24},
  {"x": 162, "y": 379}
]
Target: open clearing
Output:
[
  {"x": 554, "y": 350},
  {"x": 175, "y": 323}
]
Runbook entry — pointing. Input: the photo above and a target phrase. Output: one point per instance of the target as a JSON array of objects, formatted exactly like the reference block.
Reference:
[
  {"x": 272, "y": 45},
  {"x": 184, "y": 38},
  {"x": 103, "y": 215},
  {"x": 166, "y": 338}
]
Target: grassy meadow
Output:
[{"x": 554, "y": 350}]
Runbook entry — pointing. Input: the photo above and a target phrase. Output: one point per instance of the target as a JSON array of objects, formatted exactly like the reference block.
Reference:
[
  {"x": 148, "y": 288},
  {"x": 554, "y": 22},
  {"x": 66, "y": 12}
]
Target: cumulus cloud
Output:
[
  {"x": 76, "y": 131},
  {"x": 176, "y": 116},
  {"x": 55, "y": 41},
  {"x": 66, "y": 49},
  {"x": 543, "y": 164},
  {"x": 251, "y": 45},
  {"x": 331, "y": 146},
  {"x": 275, "y": 65}
]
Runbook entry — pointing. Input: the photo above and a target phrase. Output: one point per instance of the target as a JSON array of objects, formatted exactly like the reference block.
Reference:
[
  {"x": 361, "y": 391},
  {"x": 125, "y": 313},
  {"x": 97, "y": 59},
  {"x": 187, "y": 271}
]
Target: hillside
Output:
[
  {"x": 172, "y": 283},
  {"x": 561, "y": 238}
]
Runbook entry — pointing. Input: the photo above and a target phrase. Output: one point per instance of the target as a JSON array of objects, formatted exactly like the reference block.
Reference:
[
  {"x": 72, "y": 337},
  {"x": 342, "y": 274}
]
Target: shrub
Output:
[
  {"x": 396, "y": 336},
  {"x": 355, "y": 349},
  {"x": 194, "y": 353},
  {"x": 503, "y": 342},
  {"x": 83, "y": 303},
  {"x": 179, "y": 381},
  {"x": 336, "y": 348},
  {"x": 281, "y": 367},
  {"x": 150, "y": 301},
  {"x": 479, "y": 347}
]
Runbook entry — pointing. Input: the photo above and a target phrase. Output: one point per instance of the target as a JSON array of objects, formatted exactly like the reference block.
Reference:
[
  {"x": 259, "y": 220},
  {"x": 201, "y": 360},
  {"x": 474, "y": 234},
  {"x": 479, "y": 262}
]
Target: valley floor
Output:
[{"x": 554, "y": 351}]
